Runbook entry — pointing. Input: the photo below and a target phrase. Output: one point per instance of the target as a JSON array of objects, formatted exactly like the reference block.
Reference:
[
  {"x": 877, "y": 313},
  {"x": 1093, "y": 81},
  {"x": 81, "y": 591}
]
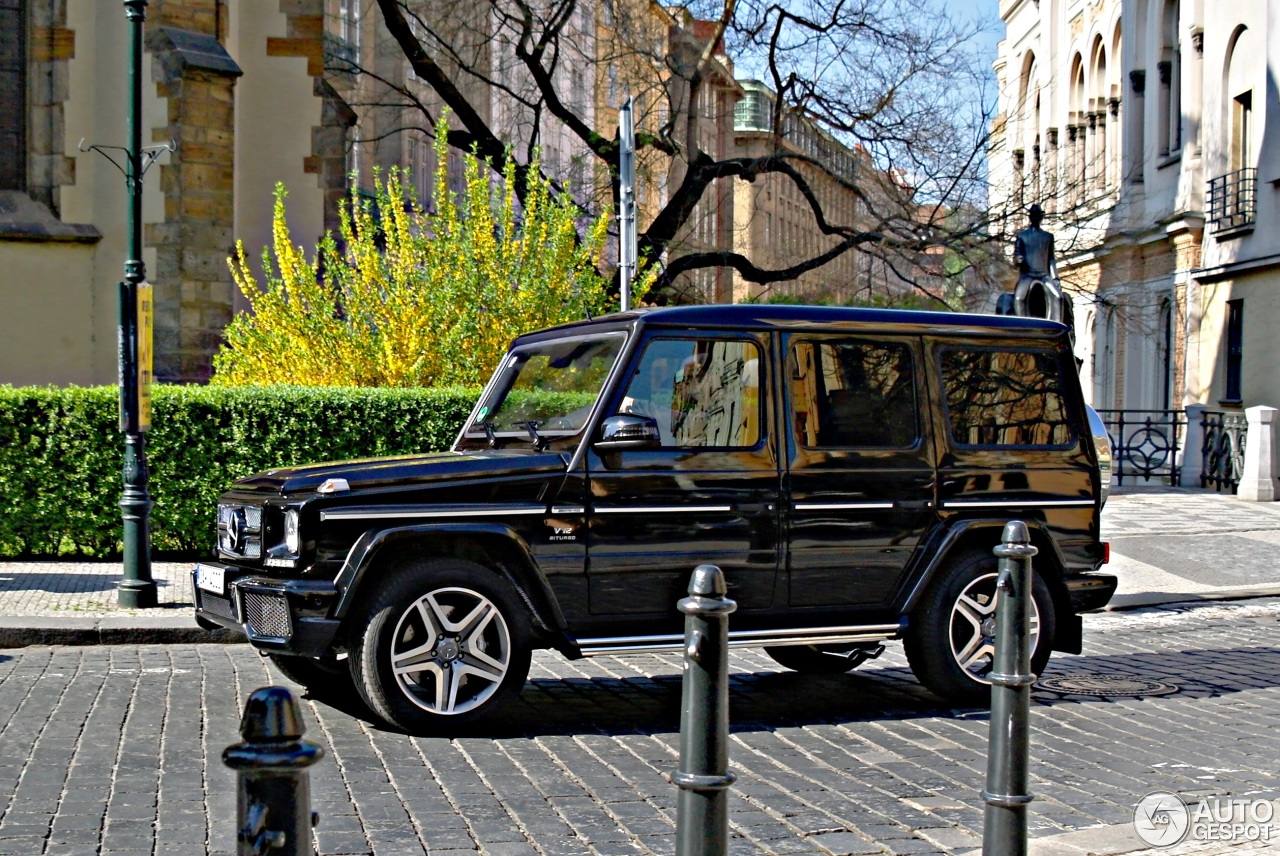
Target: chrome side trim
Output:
[
  {"x": 742, "y": 639},
  {"x": 568, "y": 509},
  {"x": 403, "y": 513},
  {"x": 661, "y": 509},
  {"x": 1016, "y": 503},
  {"x": 842, "y": 506}
]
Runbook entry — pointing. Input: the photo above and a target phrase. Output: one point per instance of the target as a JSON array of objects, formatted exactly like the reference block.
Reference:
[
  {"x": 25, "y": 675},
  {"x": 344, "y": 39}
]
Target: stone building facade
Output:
[
  {"x": 238, "y": 85},
  {"x": 1146, "y": 129}
]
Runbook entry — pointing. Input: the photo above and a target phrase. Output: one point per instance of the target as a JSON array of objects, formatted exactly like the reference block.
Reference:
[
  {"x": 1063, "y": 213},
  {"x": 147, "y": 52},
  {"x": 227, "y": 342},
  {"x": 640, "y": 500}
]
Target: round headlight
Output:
[{"x": 292, "y": 540}]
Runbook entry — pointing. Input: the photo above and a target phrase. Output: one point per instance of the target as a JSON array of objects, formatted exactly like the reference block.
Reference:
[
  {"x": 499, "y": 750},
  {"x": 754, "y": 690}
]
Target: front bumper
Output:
[{"x": 289, "y": 616}]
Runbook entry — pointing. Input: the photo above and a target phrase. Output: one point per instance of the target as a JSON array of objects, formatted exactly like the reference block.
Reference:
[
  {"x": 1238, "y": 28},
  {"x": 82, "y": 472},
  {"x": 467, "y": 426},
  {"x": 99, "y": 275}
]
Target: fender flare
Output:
[
  {"x": 941, "y": 547},
  {"x": 529, "y": 581}
]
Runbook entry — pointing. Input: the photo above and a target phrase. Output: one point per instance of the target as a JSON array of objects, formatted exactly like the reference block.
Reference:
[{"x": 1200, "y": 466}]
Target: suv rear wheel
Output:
[
  {"x": 443, "y": 642},
  {"x": 951, "y": 641}
]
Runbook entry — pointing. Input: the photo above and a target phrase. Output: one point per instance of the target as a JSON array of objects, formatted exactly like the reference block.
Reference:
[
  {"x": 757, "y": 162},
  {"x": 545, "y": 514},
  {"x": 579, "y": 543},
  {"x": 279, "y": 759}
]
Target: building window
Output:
[
  {"x": 1235, "y": 349},
  {"x": 1170, "y": 70},
  {"x": 1164, "y": 362},
  {"x": 13, "y": 96},
  {"x": 1242, "y": 130}
]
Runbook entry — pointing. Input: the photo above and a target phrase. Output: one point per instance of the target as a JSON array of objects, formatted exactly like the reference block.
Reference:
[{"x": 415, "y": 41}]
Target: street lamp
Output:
[{"x": 137, "y": 589}]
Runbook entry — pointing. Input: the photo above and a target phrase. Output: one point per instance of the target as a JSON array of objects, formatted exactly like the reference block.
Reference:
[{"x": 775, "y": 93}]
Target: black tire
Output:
[
  {"x": 461, "y": 624},
  {"x": 322, "y": 677},
  {"x": 814, "y": 659},
  {"x": 944, "y": 630}
]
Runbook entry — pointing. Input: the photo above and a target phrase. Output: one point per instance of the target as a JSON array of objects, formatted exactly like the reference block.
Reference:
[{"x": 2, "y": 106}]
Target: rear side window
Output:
[
  {"x": 998, "y": 397},
  {"x": 851, "y": 394}
]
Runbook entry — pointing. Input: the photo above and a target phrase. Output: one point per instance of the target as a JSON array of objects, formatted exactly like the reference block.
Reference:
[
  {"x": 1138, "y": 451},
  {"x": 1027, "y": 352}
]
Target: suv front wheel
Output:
[
  {"x": 442, "y": 643},
  {"x": 951, "y": 641}
]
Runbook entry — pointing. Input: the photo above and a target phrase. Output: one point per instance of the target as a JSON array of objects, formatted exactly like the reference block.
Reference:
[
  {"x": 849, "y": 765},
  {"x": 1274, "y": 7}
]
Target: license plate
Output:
[{"x": 212, "y": 580}]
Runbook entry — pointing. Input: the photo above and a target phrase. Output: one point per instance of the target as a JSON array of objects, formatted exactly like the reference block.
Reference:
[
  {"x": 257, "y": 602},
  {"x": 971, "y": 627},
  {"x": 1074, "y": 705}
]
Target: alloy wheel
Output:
[
  {"x": 973, "y": 627},
  {"x": 450, "y": 651}
]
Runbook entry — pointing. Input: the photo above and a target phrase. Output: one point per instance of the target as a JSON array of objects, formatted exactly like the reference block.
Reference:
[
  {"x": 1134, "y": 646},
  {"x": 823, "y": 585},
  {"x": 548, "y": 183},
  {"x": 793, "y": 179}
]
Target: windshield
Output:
[{"x": 544, "y": 393}]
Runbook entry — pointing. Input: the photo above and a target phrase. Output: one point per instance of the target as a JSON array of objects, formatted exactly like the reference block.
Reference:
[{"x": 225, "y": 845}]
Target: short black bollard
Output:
[
  {"x": 702, "y": 809},
  {"x": 273, "y": 802},
  {"x": 1004, "y": 831}
]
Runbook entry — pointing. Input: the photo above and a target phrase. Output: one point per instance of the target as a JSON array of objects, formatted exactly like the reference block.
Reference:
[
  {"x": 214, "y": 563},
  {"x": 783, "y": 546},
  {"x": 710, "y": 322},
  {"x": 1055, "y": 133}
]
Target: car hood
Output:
[{"x": 381, "y": 473}]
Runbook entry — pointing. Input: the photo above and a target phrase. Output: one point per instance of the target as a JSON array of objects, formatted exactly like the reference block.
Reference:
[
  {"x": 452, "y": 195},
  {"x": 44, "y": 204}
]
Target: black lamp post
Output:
[{"x": 137, "y": 589}]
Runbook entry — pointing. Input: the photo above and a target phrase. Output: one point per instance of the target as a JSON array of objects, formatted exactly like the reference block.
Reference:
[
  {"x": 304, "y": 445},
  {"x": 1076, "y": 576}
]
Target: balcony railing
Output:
[{"x": 1232, "y": 199}]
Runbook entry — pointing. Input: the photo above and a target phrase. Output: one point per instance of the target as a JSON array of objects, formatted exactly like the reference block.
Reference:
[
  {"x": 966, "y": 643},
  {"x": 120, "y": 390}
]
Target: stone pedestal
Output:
[
  {"x": 1259, "y": 482},
  {"x": 1192, "y": 458}
]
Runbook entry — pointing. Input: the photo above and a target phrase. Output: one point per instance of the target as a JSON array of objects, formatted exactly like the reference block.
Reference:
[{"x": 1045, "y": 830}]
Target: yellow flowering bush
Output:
[{"x": 410, "y": 297}]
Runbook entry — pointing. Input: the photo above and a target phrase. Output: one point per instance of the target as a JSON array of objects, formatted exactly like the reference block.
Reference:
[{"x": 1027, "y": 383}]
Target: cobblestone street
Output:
[{"x": 120, "y": 745}]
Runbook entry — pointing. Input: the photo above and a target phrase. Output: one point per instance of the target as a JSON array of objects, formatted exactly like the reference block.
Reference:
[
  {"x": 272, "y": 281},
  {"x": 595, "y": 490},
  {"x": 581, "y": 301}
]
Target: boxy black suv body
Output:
[{"x": 850, "y": 470}]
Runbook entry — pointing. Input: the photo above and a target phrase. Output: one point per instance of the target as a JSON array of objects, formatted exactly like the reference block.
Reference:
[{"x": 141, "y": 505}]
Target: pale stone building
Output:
[
  {"x": 239, "y": 85},
  {"x": 1146, "y": 130}
]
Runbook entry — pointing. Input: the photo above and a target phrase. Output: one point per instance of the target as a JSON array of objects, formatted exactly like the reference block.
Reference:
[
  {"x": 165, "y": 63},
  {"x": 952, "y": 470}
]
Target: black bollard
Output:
[
  {"x": 273, "y": 801},
  {"x": 702, "y": 808},
  {"x": 1004, "y": 829}
]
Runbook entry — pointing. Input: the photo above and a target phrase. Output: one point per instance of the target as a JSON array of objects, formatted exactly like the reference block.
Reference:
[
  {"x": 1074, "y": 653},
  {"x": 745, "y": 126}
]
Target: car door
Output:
[
  {"x": 860, "y": 467},
  {"x": 707, "y": 491}
]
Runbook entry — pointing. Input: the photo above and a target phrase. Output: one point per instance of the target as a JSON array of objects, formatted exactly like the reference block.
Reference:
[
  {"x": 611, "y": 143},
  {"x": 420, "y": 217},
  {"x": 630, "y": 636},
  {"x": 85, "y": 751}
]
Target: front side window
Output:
[
  {"x": 853, "y": 394},
  {"x": 1005, "y": 398},
  {"x": 703, "y": 393},
  {"x": 544, "y": 393}
]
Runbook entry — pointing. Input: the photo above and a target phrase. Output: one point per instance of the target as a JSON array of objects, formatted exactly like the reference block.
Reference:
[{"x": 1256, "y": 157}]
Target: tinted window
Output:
[
  {"x": 1005, "y": 398},
  {"x": 850, "y": 393},
  {"x": 701, "y": 392}
]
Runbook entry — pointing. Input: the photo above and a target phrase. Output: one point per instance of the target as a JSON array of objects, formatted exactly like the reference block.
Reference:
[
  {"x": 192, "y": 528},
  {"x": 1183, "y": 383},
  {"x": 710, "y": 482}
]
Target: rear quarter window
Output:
[{"x": 1000, "y": 397}]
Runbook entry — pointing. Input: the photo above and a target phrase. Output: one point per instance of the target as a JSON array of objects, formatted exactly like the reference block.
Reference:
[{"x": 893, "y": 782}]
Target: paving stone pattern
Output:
[{"x": 116, "y": 750}]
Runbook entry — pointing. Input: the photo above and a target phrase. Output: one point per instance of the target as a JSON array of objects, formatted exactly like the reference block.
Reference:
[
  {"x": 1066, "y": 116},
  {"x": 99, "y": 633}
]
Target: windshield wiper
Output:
[
  {"x": 489, "y": 434},
  {"x": 539, "y": 442}
]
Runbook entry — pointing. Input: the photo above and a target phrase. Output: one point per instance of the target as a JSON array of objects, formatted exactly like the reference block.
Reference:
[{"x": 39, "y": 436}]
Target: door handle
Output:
[{"x": 913, "y": 505}]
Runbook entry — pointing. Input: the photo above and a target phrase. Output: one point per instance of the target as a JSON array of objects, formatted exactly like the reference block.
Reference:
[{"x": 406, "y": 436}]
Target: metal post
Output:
[
  {"x": 702, "y": 808},
  {"x": 1004, "y": 830},
  {"x": 137, "y": 590},
  {"x": 627, "y": 199},
  {"x": 273, "y": 788}
]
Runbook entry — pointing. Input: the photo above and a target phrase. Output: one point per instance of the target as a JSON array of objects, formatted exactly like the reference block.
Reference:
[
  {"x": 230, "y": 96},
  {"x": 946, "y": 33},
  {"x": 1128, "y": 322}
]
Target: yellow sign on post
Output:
[{"x": 144, "y": 355}]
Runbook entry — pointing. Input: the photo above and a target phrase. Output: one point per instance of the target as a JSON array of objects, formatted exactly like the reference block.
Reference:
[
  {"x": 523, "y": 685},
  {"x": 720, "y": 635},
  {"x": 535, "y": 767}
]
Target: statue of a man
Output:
[{"x": 1038, "y": 293}]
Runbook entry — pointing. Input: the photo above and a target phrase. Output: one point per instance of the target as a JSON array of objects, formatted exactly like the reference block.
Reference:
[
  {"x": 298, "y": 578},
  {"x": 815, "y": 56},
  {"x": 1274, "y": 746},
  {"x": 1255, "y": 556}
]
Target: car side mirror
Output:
[{"x": 628, "y": 431}]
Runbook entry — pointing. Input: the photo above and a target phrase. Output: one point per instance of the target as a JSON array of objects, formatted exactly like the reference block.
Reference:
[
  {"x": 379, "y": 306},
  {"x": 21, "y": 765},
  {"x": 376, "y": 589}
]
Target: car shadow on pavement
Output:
[{"x": 766, "y": 700}]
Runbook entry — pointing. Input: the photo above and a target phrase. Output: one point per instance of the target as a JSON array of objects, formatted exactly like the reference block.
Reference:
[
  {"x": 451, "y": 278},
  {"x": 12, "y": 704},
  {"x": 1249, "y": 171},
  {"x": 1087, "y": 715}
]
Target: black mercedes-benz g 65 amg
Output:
[{"x": 850, "y": 470}]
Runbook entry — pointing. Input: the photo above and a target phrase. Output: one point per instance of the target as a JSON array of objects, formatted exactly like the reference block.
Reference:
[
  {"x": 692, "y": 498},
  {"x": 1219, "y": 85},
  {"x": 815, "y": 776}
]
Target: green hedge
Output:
[{"x": 60, "y": 453}]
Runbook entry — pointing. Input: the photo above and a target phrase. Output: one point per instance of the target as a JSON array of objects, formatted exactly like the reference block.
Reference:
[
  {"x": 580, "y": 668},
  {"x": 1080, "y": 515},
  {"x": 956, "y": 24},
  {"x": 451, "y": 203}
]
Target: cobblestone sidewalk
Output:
[{"x": 114, "y": 750}]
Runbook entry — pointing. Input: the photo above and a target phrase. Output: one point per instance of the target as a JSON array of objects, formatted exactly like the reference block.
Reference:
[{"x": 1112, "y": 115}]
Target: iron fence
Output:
[
  {"x": 1222, "y": 453},
  {"x": 1145, "y": 443}
]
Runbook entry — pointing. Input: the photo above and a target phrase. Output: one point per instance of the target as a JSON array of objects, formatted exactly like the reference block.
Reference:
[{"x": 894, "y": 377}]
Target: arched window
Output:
[
  {"x": 1164, "y": 355},
  {"x": 1169, "y": 68},
  {"x": 1097, "y": 114},
  {"x": 1114, "y": 116},
  {"x": 1238, "y": 88},
  {"x": 1104, "y": 360},
  {"x": 1076, "y": 161}
]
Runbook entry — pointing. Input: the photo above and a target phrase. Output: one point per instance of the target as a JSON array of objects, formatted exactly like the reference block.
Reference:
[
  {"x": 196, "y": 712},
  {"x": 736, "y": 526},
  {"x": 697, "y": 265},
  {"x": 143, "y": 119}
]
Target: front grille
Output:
[
  {"x": 240, "y": 531},
  {"x": 220, "y": 606},
  {"x": 266, "y": 615}
]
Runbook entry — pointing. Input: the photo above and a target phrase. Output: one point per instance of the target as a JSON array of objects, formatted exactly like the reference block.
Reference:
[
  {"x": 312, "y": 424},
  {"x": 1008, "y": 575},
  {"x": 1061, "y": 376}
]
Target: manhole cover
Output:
[{"x": 1104, "y": 685}]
